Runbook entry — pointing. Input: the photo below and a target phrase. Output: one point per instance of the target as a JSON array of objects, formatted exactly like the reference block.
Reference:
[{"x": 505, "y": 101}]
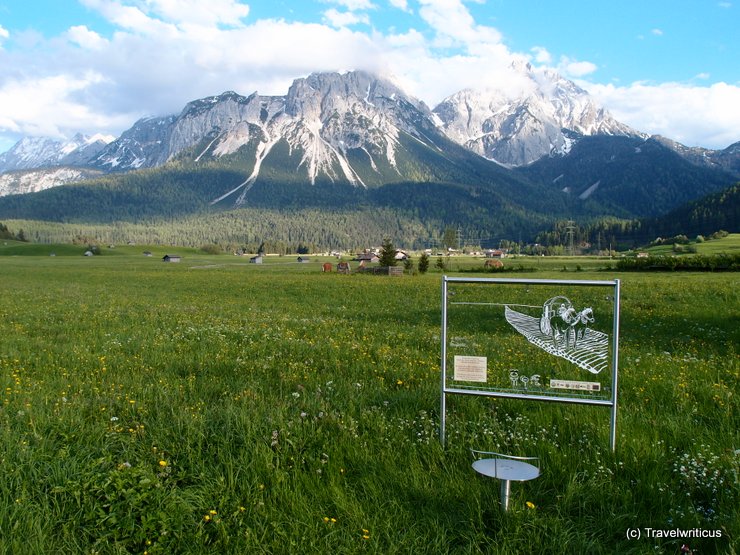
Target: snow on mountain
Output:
[
  {"x": 322, "y": 118},
  {"x": 515, "y": 131},
  {"x": 39, "y": 152},
  {"x": 350, "y": 127},
  {"x": 32, "y": 181}
]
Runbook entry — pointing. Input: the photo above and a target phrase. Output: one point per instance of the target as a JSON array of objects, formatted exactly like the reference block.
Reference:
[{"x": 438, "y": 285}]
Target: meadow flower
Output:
[
  {"x": 530, "y": 505},
  {"x": 162, "y": 463}
]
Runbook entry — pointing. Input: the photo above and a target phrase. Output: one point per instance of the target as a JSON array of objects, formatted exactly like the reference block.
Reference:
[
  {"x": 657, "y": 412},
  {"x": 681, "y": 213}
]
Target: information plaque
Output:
[{"x": 545, "y": 340}]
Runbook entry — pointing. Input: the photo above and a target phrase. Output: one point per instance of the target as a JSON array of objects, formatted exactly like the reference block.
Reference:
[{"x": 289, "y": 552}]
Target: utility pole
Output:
[{"x": 570, "y": 231}]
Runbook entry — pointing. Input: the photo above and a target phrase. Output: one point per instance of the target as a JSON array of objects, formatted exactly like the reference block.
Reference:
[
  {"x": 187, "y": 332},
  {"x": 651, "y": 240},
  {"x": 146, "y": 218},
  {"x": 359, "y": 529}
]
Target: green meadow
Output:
[{"x": 216, "y": 406}]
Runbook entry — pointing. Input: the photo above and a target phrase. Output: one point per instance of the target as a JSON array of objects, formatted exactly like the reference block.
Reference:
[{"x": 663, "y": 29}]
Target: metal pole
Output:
[
  {"x": 505, "y": 494},
  {"x": 443, "y": 407},
  {"x": 615, "y": 366}
]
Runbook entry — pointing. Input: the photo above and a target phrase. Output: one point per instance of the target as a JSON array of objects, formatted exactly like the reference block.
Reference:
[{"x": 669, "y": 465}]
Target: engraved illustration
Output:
[{"x": 565, "y": 332}]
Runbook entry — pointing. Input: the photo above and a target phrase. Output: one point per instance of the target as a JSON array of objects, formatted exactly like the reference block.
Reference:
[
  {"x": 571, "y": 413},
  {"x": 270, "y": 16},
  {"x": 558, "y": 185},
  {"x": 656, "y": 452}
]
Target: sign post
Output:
[{"x": 542, "y": 340}]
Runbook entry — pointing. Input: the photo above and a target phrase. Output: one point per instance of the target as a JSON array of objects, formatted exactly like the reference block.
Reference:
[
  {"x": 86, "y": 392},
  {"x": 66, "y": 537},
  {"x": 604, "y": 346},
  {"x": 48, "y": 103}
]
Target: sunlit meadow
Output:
[{"x": 215, "y": 406}]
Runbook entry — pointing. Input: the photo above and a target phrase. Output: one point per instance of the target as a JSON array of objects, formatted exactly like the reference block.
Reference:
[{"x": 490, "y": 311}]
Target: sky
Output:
[{"x": 668, "y": 67}]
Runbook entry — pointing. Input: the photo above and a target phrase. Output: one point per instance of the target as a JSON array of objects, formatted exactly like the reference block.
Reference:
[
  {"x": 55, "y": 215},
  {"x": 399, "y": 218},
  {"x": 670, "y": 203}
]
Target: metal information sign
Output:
[{"x": 544, "y": 340}]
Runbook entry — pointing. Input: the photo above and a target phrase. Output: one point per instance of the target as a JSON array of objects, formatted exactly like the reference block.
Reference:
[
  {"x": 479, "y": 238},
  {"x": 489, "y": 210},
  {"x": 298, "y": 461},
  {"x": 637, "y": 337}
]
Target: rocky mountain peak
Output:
[{"x": 515, "y": 130}]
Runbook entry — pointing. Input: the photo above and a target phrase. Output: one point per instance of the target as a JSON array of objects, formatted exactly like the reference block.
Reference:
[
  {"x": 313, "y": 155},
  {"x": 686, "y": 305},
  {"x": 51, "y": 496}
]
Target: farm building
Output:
[
  {"x": 171, "y": 258},
  {"x": 303, "y": 259},
  {"x": 367, "y": 257},
  {"x": 256, "y": 259}
]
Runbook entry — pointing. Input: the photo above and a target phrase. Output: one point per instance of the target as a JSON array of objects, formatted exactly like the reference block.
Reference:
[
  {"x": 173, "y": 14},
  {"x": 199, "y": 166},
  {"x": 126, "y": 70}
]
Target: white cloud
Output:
[
  {"x": 574, "y": 68},
  {"x": 695, "y": 116},
  {"x": 455, "y": 25},
  {"x": 657, "y": 32},
  {"x": 48, "y": 107},
  {"x": 86, "y": 38},
  {"x": 4, "y": 34},
  {"x": 541, "y": 55},
  {"x": 144, "y": 15},
  {"x": 352, "y": 5},
  {"x": 400, "y": 4},
  {"x": 213, "y": 12},
  {"x": 344, "y": 19},
  {"x": 165, "y": 53}
]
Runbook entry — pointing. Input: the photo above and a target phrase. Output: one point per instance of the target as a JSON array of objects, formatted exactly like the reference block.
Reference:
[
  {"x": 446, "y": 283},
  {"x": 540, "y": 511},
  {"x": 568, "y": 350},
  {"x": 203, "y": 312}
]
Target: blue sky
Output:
[{"x": 67, "y": 66}]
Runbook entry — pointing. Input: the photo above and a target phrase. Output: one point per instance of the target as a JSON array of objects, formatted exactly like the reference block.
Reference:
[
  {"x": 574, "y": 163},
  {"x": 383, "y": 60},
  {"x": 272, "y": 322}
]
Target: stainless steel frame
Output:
[{"x": 615, "y": 284}]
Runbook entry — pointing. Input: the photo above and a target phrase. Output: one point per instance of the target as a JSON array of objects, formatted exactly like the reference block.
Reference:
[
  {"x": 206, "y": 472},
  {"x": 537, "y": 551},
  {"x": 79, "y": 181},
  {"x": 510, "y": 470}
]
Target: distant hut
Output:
[
  {"x": 256, "y": 259},
  {"x": 171, "y": 258}
]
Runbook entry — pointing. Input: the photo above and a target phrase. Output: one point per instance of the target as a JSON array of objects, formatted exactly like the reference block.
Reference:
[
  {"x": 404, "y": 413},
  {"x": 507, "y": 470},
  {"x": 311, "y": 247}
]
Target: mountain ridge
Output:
[{"x": 331, "y": 133}]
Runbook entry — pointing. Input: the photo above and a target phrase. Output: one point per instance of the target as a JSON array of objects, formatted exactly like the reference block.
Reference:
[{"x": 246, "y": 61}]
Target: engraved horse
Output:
[{"x": 563, "y": 323}]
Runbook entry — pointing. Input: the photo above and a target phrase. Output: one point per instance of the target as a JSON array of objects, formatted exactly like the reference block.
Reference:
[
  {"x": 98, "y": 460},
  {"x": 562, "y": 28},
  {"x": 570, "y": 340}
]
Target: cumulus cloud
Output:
[
  {"x": 164, "y": 53},
  {"x": 455, "y": 25},
  {"x": 178, "y": 12},
  {"x": 541, "y": 55},
  {"x": 575, "y": 68},
  {"x": 353, "y": 5},
  {"x": 336, "y": 18},
  {"x": 48, "y": 106},
  {"x": 400, "y": 4},
  {"x": 695, "y": 116},
  {"x": 86, "y": 38}
]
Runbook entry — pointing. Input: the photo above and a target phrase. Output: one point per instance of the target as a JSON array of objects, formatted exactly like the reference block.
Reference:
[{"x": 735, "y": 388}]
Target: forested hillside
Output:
[{"x": 710, "y": 214}]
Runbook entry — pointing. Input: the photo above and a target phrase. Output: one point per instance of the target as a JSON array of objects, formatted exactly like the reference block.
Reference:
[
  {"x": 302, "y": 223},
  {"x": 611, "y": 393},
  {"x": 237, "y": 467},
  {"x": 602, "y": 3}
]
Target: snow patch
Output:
[{"x": 588, "y": 192}]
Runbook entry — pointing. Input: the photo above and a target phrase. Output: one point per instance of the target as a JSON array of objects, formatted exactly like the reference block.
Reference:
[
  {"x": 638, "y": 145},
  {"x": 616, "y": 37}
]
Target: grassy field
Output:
[
  {"x": 216, "y": 406},
  {"x": 728, "y": 244}
]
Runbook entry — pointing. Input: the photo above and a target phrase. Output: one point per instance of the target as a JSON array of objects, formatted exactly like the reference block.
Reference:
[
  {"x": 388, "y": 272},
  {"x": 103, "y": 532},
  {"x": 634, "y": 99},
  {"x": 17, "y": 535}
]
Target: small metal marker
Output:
[{"x": 505, "y": 468}]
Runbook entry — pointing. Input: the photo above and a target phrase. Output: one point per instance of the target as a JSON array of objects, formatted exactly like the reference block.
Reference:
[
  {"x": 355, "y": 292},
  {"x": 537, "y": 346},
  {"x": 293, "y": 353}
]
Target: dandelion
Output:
[
  {"x": 162, "y": 463},
  {"x": 530, "y": 505}
]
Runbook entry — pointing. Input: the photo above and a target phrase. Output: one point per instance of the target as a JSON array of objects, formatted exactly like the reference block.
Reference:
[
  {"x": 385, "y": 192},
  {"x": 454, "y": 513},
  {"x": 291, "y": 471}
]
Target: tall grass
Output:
[{"x": 213, "y": 406}]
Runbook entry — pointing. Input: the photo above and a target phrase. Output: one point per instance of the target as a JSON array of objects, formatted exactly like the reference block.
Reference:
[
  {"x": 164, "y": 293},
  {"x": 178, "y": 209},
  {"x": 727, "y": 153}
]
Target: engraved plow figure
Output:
[{"x": 563, "y": 323}]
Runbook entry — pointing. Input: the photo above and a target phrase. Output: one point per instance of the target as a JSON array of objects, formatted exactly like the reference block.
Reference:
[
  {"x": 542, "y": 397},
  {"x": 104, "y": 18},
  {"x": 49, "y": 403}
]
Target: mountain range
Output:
[{"x": 548, "y": 152}]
